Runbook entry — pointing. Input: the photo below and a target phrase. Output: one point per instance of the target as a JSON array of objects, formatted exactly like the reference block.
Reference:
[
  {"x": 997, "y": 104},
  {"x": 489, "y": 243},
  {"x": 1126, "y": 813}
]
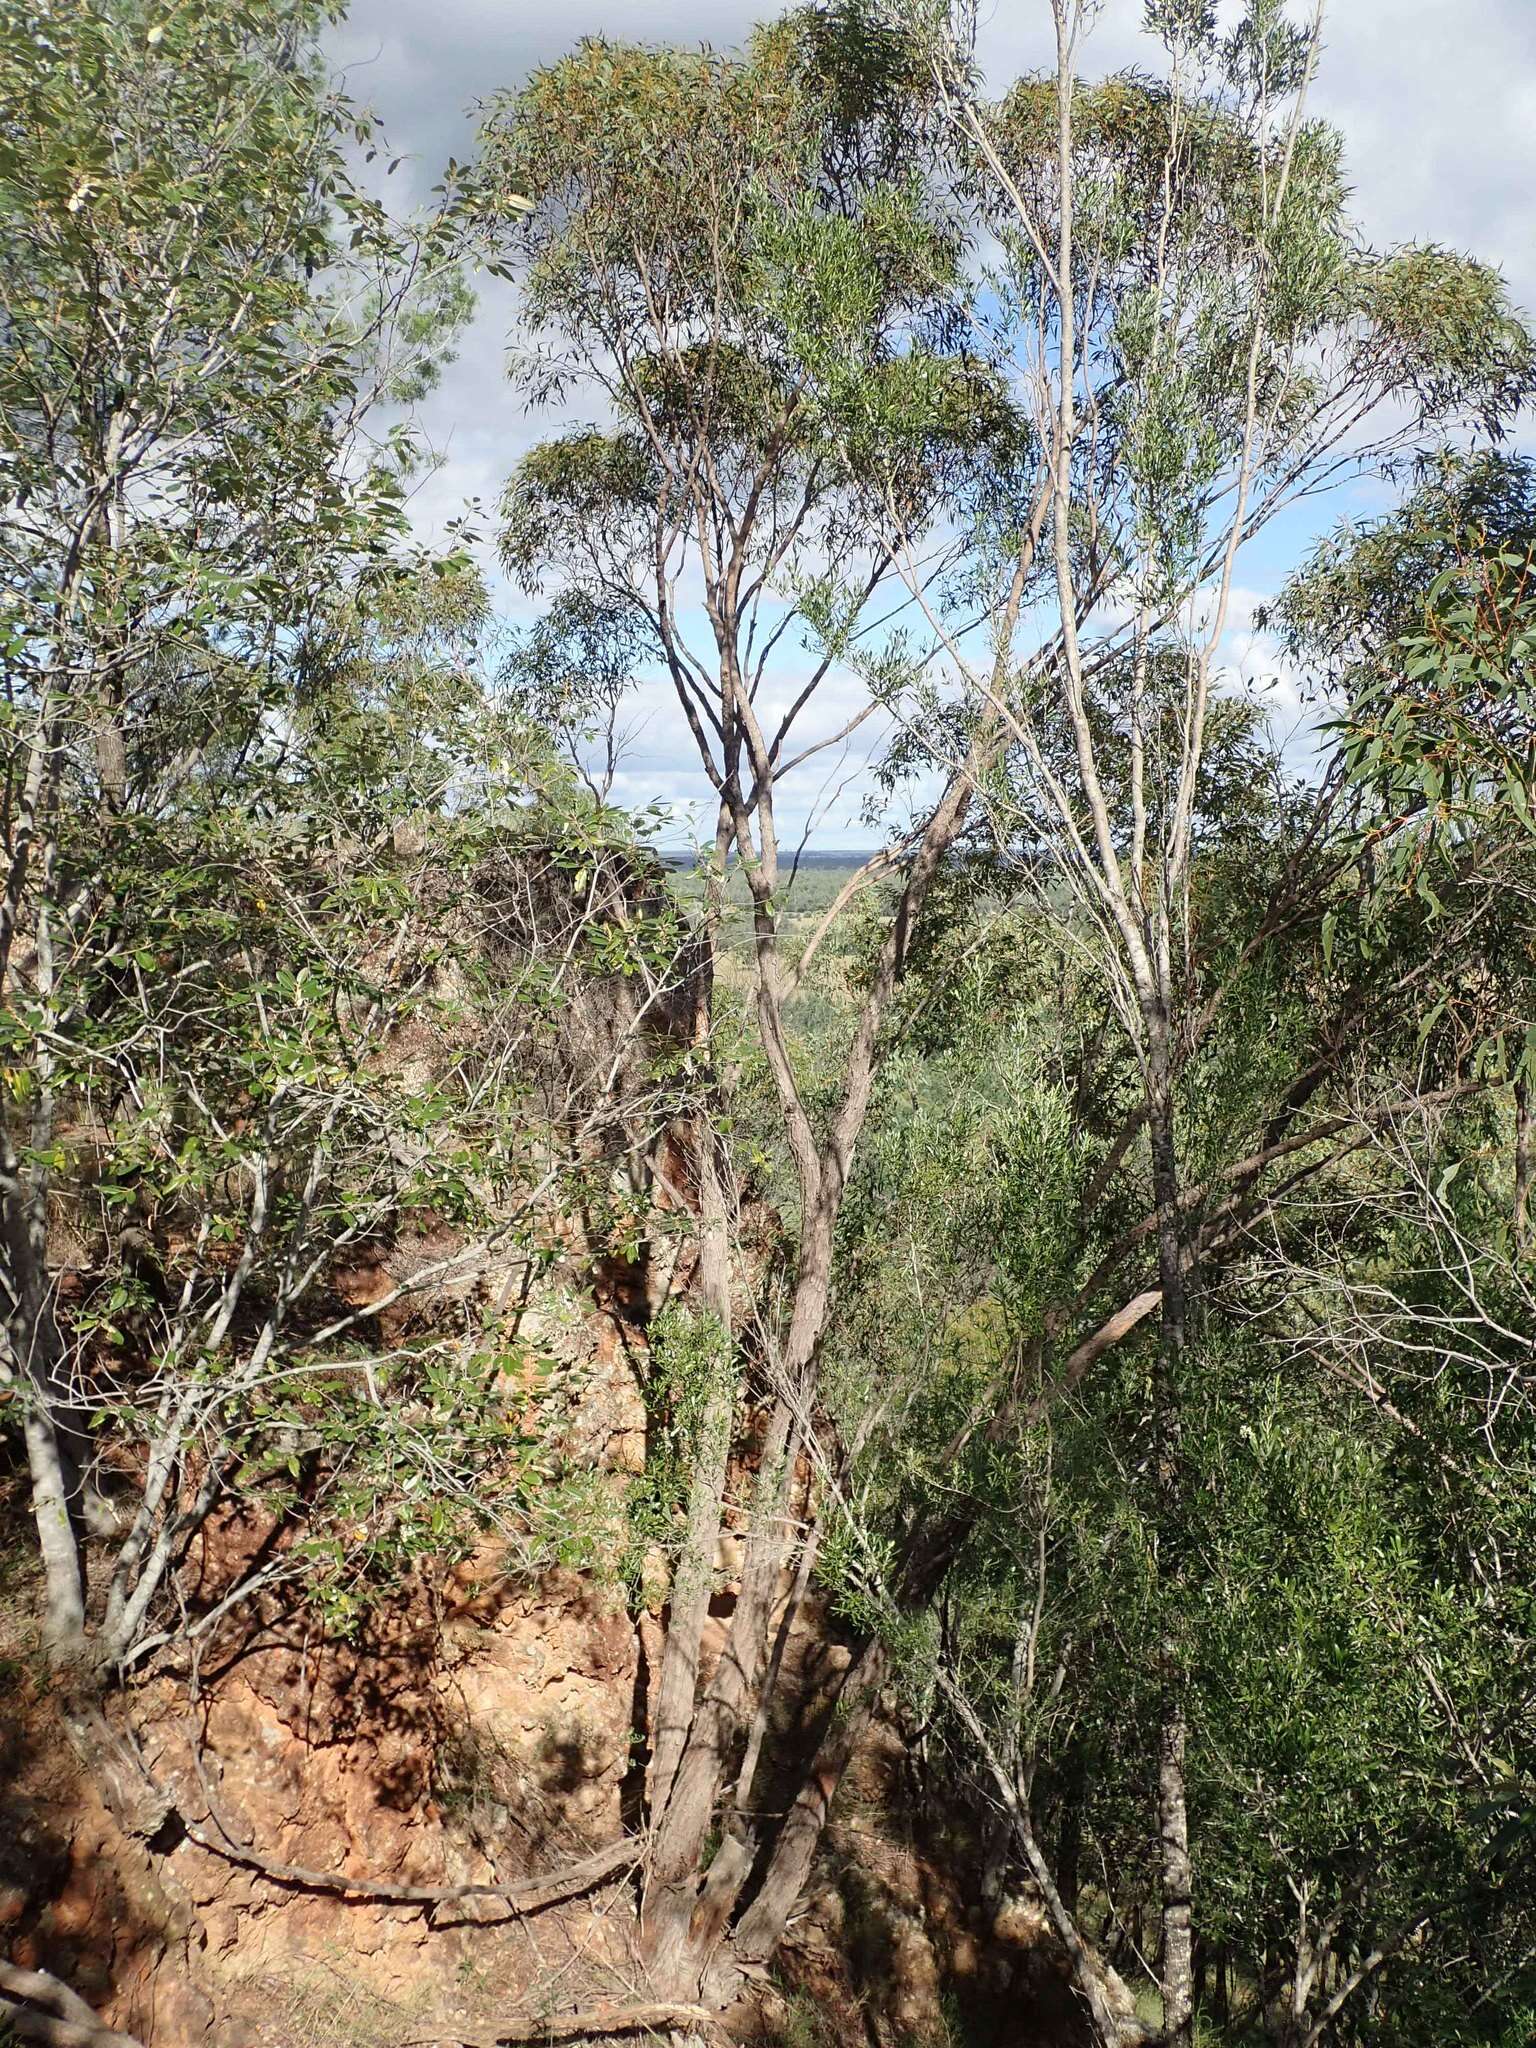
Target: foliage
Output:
[
  {"x": 296, "y": 915},
  {"x": 1357, "y": 1617},
  {"x": 689, "y": 1364},
  {"x": 1112, "y": 1207}
]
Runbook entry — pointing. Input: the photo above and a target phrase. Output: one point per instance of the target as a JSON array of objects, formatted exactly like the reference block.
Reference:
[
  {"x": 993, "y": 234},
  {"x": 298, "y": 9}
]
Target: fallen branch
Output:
[
  {"x": 36, "y": 2006},
  {"x": 574, "y": 2026},
  {"x": 530, "y": 1896}
]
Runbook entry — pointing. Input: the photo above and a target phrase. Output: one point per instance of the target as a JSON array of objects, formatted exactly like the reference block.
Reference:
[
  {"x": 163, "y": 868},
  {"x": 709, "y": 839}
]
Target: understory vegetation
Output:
[{"x": 1077, "y": 1258}]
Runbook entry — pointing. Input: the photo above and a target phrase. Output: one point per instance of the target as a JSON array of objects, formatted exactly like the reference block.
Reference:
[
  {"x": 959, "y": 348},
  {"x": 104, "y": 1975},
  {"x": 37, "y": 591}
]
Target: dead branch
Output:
[
  {"x": 36, "y": 2006},
  {"x": 575, "y": 2026},
  {"x": 531, "y": 1896}
]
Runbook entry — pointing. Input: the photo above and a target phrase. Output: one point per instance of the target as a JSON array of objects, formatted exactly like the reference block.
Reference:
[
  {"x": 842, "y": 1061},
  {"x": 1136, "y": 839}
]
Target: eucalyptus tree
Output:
[
  {"x": 1357, "y": 1613},
  {"x": 754, "y": 265},
  {"x": 1386, "y": 1868},
  {"x": 198, "y": 310},
  {"x": 744, "y": 262},
  {"x": 1188, "y": 328}
]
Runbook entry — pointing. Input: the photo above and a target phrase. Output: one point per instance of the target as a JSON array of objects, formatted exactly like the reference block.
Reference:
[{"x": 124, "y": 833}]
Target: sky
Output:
[{"x": 1436, "y": 100}]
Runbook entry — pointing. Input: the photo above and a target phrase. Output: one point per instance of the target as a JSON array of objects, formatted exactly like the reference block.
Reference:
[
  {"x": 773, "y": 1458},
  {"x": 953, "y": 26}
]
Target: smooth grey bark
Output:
[
  {"x": 57, "y": 1510},
  {"x": 1176, "y": 1874},
  {"x": 52, "y": 1423},
  {"x": 694, "y": 1574}
]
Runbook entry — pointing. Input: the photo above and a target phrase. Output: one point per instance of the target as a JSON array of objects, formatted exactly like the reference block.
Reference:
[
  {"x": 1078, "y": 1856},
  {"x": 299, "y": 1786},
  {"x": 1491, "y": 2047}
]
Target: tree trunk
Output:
[
  {"x": 686, "y": 1912},
  {"x": 1177, "y": 1974},
  {"x": 1069, "y": 1840},
  {"x": 1088, "y": 1973},
  {"x": 57, "y": 1509},
  {"x": 685, "y": 1918},
  {"x": 1173, "y": 1840},
  {"x": 671, "y": 1892},
  {"x": 1522, "y": 1166},
  {"x": 694, "y": 1574},
  {"x": 789, "y": 1867},
  {"x": 53, "y": 1424}
]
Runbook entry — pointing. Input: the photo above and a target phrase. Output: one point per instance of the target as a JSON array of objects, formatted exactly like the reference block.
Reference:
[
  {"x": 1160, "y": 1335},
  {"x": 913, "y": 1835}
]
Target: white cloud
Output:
[{"x": 1253, "y": 661}]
